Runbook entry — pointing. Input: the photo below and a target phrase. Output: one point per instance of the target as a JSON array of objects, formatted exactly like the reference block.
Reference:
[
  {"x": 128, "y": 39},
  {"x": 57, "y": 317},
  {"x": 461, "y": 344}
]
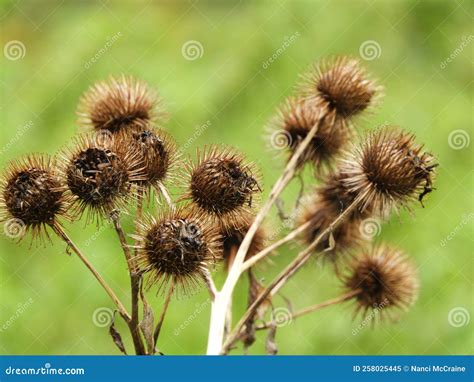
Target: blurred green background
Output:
[{"x": 48, "y": 300}]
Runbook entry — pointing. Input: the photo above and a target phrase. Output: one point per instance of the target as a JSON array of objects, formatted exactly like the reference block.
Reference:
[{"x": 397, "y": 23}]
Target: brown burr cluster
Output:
[
  {"x": 157, "y": 152},
  {"x": 121, "y": 103},
  {"x": 125, "y": 157},
  {"x": 33, "y": 196},
  {"x": 388, "y": 170},
  {"x": 331, "y": 95},
  {"x": 223, "y": 185},
  {"x": 178, "y": 246},
  {"x": 383, "y": 279},
  {"x": 99, "y": 175},
  {"x": 321, "y": 207}
]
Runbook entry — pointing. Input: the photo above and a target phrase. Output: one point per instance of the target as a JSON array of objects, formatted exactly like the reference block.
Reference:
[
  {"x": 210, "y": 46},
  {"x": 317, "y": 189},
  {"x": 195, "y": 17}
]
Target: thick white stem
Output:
[
  {"x": 222, "y": 299},
  {"x": 217, "y": 325}
]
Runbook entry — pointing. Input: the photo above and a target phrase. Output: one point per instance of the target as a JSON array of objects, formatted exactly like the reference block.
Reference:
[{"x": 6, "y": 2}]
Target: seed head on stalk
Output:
[
  {"x": 384, "y": 278},
  {"x": 121, "y": 103},
  {"x": 223, "y": 185},
  {"x": 99, "y": 175},
  {"x": 32, "y": 196},
  {"x": 179, "y": 245}
]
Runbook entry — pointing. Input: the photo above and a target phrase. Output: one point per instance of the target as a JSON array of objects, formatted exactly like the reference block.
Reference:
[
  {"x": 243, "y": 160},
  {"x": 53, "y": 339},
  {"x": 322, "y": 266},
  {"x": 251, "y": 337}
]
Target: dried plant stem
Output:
[
  {"x": 266, "y": 251},
  {"x": 135, "y": 275},
  {"x": 211, "y": 286},
  {"x": 228, "y": 316},
  {"x": 166, "y": 195},
  {"x": 313, "y": 308},
  {"x": 223, "y": 297},
  {"x": 163, "y": 313},
  {"x": 134, "y": 286},
  {"x": 284, "y": 275},
  {"x": 121, "y": 308}
]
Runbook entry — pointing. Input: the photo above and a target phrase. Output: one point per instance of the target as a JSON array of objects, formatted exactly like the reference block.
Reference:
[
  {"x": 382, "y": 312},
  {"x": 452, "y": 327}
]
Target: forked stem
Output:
[
  {"x": 284, "y": 275},
  {"x": 223, "y": 297}
]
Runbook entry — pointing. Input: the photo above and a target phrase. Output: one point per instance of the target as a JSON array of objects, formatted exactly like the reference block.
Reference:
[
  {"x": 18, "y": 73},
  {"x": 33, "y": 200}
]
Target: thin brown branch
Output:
[
  {"x": 210, "y": 284},
  {"x": 121, "y": 308},
  {"x": 266, "y": 251},
  {"x": 163, "y": 313},
  {"x": 134, "y": 285},
  {"x": 313, "y": 308}
]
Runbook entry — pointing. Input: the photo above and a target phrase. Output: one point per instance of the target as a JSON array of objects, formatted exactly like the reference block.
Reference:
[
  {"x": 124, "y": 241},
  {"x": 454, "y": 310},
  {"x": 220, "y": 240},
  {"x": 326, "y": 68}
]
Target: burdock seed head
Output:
[
  {"x": 122, "y": 103},
  {"x": 178, "y": 246},
  {"x": 233, "y": 235},
  {"x": 321, "y": 208},
  {"x": 320, "y": 214},
  {"x": 383, "y": 279},
  {"x": 295, "y": 120},
  {"x": 222, "y": 184},
  {"x": 342, "y": 84},
  {"x": 156, "y": 151},
  {"x": 32, "y": 196},
  {"x": 388, "y": 170},
  {"x": 99, "y": 174}
]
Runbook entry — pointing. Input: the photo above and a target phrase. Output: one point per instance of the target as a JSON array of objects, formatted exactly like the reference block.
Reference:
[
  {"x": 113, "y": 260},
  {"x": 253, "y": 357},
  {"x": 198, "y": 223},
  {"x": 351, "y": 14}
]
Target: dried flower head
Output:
[
  {"x": 32, "y": 196},
  {"x": 322, "y": 208},
  {"x": 178, "y": 246},
  {"x": 383, "y": 278},
  {"x": 157, "y": 152},
  {"x": 233, "y": 235},
  {"x": 388, "y": 170},
  {"x": 295, "y": 120},
  {"x": 99, "y": 174},
  {"x": 118, "y": 104},
  {"x": 222, "y": 184},
  {"x": 342, "y": 84}
]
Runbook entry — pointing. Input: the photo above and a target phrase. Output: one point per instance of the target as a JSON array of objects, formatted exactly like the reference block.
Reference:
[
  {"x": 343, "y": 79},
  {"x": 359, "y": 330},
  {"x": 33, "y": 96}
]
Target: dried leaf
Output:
[
  {"x": 255, "y": 288},
  {"x": 271, "y": 346},
  {"x": 332, "y": 243},
  {"x": 116, "y": 336},
  {"x": 147, "y": 323}
]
